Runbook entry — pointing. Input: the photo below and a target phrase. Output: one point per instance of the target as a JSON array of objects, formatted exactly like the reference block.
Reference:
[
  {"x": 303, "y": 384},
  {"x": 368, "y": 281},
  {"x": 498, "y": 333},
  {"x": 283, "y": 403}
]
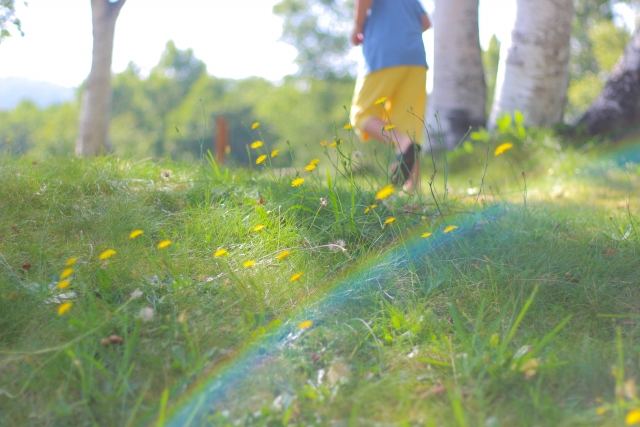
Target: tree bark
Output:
[
  {"x": 533, "y": 73},
  {"x": 459, "y": 90},
  {"x": 93, "y": 134},
  {"x": 618, "y": 105}
]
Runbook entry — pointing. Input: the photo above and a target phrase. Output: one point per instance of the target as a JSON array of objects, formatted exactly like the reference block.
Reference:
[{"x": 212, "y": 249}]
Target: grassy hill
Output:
[{"x": 160, "y": 293}]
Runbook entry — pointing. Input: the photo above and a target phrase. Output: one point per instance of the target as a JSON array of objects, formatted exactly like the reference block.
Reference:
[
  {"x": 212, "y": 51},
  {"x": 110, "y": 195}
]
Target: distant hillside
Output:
[{"x": 15, "y": 89}]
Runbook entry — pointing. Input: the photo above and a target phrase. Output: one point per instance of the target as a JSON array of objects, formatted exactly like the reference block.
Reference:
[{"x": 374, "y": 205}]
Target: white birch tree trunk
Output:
[
  {"x": 618, "y": 106},
  {"x": 533, "y": 73},
  {"x": 93, "y": 134},
  {"x": 459, "y": 90}
]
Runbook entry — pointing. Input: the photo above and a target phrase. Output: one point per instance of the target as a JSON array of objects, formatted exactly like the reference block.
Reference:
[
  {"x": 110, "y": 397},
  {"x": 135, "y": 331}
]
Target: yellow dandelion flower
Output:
[
  {"x": 310, "y": 167},
  {"x": 425, "y": 235},
  {"x": 389, "y": 127},
  {"x": 258, "y": 227},
  {"x": 248, "y": 264},
  {"x": 255, "y": 125},
  {"x": 323, "y": 143},
  {"x": 502, "y": 148},
  {"x": 63, "y": 284},
  {"x": 601, "y": 411},
  {"x": 633, "y": 417},
  {"x": 261, "y": 159},
  {"x": 274, "y": 153},
  {"x": 297, "y": 182},
  {"x": 389, "y": 220},
  {"x": 333, "y": 144},
  {"x": 71, "y": 261},
  {"x": 163, "y": 244},
  {"x": 347, "y": 126},
  {"x": 256, "y": 144},
  {"x": 295, "y": 277},
  {"x": 381, "y": 101},
  {"x": 449, "y": 229},
  {"x": 220, "y": 252},
  {"x": 135, "y": 233},
  {"x": 314, "y": 161},
  {"x": 64, "y": 307},
  {"x": 306, "y": 324},
  {"x": 385, "y": 192},
  {"x": 282, "y": 255},
  {"x": 107, "y": 254},
  {"x": 66, "y": 273},
  {"x": 368, "y": 208}
]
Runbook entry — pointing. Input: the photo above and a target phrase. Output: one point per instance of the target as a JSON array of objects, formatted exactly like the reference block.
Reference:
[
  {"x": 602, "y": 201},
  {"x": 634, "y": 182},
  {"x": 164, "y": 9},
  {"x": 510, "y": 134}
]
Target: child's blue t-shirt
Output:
[{"x": 393, "y": 35}]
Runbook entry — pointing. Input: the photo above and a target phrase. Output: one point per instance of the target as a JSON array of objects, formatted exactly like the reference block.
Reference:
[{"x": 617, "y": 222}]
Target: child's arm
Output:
[
  {"x": 360, "y": 14},
  {"x": 426, "y": 23}
]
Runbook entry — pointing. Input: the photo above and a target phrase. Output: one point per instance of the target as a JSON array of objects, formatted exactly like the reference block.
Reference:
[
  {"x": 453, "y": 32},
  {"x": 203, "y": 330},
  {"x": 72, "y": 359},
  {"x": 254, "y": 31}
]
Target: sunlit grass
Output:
[{"x": 125, "y": 283}]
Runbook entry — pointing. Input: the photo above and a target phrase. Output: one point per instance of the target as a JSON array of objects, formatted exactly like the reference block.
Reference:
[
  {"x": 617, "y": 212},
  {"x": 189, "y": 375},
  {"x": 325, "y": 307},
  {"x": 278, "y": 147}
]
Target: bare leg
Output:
[{"x": 374, "y": 127}]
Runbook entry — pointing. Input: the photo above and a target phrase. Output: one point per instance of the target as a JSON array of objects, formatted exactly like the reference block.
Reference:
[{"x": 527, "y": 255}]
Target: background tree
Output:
[
  {"x": 597, "y": 41},
  {"x": 93, "y": 135},
  {"x": 8, "y": 17},
  {"x": 533, "y": 74},
  {"x": 169, "y": 83},
  {"x": 490, "y": 61},
  {"x": 618, "y": 105},
  {"x": 587, "y": 14},
  {"x": 459, "y": 91},
  {"x": 319, "y": 30},
  {"x": 136, "y": 123}
]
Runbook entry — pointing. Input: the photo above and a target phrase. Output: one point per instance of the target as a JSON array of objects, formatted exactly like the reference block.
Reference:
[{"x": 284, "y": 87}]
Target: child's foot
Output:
[{"x": 403, "y": 170}]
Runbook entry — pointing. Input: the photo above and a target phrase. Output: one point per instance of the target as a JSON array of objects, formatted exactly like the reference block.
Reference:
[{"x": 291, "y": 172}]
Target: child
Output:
[{"x": 391, "y": 90}]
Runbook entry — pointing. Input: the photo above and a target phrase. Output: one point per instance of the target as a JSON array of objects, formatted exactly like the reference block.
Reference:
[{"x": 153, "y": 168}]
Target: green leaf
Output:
[
  {"x": 163, "y": 407},
  {"x": 518, "y": 117},
  {"x": 495, "y": 340},
  {"x": 481, "y": 135},
  {"x": 395, "y": 322},
  {"x": 467, "y": 147},
  {"x": 503, "y": 122}
]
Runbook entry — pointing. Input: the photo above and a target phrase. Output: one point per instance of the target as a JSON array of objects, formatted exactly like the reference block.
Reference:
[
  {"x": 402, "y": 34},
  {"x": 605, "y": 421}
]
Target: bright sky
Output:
[{"x": 235, "y": 38}]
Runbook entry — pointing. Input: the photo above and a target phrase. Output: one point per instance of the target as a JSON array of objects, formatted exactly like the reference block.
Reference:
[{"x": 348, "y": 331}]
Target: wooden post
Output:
[{"x": 222, "y": 138}]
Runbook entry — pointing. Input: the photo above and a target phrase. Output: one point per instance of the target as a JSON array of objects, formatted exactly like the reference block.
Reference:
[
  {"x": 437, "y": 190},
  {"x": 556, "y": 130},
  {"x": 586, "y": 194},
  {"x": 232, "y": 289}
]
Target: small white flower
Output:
[
  {"x": 357, "y": 154},
  {"x": 323, "y": 202},
  {"x": 147, "y": 314},
  {"x": 136, "y": 294}
]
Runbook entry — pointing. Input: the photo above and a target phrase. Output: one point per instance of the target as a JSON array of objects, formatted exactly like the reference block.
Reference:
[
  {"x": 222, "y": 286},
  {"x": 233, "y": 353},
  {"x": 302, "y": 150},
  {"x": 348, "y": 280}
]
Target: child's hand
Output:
[{"x": 356, "y": 36}]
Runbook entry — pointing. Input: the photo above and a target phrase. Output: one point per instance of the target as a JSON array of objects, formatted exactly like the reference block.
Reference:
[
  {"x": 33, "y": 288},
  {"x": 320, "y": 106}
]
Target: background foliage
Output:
[
  {"x": 305, "y": 108},
  {"x": 8, "y": 16}
]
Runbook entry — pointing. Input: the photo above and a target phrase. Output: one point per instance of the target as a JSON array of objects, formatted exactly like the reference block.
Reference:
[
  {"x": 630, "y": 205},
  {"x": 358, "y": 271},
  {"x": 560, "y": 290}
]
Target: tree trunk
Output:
[
  {"x": 533, "y": 74},
  {"x": 93, "y": 135},
  {"x": 618, "y": 105},
  {"x": 459, "y": 91}
]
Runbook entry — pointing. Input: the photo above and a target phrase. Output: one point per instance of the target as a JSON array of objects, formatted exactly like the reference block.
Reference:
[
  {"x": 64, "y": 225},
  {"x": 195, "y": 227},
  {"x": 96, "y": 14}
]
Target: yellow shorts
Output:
[{"x": 406, "y": 92}]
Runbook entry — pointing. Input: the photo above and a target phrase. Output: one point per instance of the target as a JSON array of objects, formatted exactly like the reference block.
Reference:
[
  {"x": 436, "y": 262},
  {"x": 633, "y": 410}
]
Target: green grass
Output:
[{"x": 500, "y": 322}]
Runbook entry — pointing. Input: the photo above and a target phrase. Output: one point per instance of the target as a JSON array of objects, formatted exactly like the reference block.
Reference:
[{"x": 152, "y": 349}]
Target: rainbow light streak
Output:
[
  {"x": 207, "y": 393},
  {"x": 204, "y": 395}
]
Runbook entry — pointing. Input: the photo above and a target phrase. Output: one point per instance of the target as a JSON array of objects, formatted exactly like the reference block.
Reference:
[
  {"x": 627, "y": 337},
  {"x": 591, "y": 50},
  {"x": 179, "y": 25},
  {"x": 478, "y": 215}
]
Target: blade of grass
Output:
[{"x": 515, "y": 325}]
